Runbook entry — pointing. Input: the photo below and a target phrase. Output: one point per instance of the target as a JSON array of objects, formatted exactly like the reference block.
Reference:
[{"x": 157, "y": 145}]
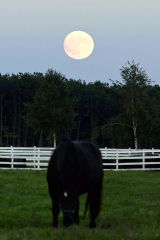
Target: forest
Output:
[{"x": 38, "y": 109}]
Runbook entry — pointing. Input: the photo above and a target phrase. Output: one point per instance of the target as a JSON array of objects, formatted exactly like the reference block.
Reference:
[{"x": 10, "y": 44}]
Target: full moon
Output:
[{"x": 78, "y": 45}]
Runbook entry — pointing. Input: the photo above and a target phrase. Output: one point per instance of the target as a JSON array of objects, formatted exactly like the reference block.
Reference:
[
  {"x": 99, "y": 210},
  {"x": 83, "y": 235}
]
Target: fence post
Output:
[
  {"x": 143, "y": 159},
  {"x": 129, "y": 151},
  {"x": 34, "y": 161},
  {"x": 117, "y": 155},
  {"x": 105, "y": 152},
  {"x": 38, "y": 160},
  {"x": 12, "y": 157}
]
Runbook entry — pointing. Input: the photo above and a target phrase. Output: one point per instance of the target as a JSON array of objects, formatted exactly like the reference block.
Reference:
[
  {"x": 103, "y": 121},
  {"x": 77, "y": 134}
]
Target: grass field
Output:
[{"x": 130, "y": 208}]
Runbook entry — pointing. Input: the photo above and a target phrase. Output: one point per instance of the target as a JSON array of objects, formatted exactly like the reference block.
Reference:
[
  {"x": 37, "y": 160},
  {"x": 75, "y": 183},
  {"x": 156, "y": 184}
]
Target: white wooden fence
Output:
[{"x": 113, "y": 159}]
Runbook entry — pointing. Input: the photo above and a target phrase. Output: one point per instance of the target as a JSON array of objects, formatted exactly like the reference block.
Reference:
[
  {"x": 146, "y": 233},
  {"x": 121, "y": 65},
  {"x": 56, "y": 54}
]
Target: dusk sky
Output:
[{"x": 32, "y": 34}]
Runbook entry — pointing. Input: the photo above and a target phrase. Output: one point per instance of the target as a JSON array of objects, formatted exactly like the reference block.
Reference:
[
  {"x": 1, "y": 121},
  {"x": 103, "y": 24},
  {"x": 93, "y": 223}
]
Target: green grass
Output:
[{"x": 130, "y": 208}]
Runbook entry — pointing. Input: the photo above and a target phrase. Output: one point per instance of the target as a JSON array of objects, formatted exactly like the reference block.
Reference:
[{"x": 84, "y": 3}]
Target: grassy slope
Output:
[{"x": 130, "y": 208}]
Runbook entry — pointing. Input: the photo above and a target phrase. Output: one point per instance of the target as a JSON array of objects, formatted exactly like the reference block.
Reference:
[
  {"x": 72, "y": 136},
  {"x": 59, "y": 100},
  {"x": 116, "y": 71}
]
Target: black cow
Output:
[{"x": 75, "y": 168}]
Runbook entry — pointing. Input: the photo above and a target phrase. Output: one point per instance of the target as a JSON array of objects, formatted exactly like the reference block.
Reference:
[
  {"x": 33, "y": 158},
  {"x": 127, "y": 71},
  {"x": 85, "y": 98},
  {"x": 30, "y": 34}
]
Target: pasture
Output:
[{"x": 130, "y": 208}]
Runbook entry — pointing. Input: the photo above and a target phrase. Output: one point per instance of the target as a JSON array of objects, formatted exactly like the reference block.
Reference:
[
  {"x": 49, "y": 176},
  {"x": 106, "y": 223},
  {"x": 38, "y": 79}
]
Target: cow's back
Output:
[{"x": 90, "y": 156}]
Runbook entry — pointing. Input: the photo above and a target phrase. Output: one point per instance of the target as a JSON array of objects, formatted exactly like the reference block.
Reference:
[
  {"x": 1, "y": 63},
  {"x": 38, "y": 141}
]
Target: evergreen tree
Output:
[{"x": 50, "y": 113}]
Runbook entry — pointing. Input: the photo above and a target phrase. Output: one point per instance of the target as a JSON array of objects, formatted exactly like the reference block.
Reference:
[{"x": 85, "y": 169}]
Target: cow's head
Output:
[{"x": 69, "y": 206}]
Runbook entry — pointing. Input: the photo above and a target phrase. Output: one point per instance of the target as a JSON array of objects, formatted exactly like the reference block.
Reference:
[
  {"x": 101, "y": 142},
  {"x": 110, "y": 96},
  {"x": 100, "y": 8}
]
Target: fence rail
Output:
[{"x": 113, "y": 159}]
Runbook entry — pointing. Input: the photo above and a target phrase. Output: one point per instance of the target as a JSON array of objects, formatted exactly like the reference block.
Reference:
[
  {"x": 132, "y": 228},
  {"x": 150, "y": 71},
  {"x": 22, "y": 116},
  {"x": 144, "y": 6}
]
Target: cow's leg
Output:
[
  {"x": 94, "y": 204},
  {"x": 93, "y": 216},
  {"x": 76, "y": 214},
  {"x": 55, "y": 211}
]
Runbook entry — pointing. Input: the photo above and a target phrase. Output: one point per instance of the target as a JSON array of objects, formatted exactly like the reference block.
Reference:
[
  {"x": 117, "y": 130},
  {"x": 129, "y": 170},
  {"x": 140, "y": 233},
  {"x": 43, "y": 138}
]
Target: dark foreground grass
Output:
[{"x": 130, "y": 208}]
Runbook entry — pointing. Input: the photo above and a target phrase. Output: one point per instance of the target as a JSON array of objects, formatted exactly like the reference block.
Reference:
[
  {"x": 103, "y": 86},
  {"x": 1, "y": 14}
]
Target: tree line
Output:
[{"x": 39, "y": 109}]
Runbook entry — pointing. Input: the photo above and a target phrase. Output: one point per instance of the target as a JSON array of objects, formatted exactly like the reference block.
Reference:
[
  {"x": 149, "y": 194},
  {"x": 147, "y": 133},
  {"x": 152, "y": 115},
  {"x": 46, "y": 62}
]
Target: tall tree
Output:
[
  {"x": 51, "y": 110},
  {"x": 135, "y": 80}
]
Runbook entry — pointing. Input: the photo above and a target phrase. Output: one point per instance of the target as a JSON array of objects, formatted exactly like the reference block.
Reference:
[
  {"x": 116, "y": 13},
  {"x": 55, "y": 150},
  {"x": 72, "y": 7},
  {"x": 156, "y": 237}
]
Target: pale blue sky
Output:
[{"x": 32, "y": 34}]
